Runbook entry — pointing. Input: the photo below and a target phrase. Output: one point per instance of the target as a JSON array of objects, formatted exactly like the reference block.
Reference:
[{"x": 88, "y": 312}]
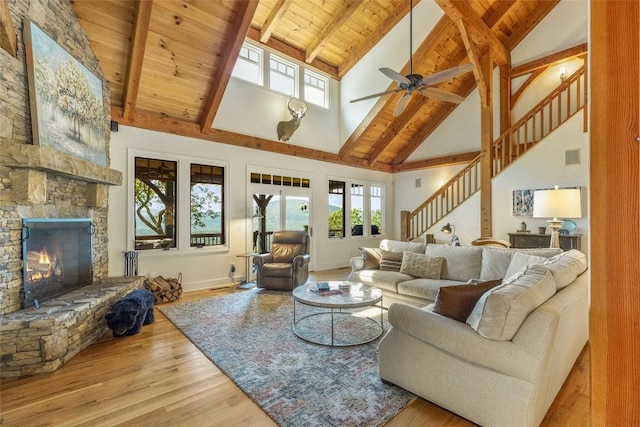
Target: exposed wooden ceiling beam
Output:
[
  {"x": 160, "y": 123},
  {"x": 530, "y": 21},
  {"x": 432, "y": 40},
  {"x": 549, "y": 60},
  {"x": 338, "y": 20},
  {"x": 8, "y": 39},
  {"x": 223, "y": 72},
  {"x": 136, "y": 56},
  {"x": 474, "y": 57},
  {"x": 480, "y": 31},
  {"x": 274, "y": 17},
  {"x": 442, "y": 113},
  {"x": 292, "y": 52},
  {"x": 395, "y": 127},
  {"x": 454, "y": 159},
  {"x": 401, "y": 10}
]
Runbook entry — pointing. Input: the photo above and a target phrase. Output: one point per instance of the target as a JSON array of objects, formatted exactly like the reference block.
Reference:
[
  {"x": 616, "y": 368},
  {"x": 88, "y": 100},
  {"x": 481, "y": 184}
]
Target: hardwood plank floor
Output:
[{"x": 159, "y": 378}]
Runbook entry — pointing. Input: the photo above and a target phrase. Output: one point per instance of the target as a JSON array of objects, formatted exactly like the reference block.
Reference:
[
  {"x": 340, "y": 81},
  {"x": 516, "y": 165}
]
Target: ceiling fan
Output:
[{"x": 417, "y": 83}]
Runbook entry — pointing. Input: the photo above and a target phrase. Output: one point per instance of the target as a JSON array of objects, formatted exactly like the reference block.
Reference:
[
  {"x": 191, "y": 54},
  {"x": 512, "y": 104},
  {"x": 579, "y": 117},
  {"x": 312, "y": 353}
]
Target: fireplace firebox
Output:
[{"x": 57, "y": 257}]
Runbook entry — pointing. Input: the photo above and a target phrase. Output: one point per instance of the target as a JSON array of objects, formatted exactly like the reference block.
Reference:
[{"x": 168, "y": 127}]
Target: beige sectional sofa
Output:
[
  {"x": 460, "y": 264},
  {"x": 503, "y": 365}
]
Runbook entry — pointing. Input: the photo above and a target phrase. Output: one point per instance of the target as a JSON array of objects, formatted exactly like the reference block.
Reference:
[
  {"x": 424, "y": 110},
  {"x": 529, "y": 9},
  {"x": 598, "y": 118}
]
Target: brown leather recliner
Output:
[{"x": 287, "y": 266}]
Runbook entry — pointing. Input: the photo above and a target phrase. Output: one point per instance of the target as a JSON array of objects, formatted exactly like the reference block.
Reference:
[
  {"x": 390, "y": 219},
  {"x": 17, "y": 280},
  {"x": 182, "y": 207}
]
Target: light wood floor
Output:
[{"x": 159, "y": 378}]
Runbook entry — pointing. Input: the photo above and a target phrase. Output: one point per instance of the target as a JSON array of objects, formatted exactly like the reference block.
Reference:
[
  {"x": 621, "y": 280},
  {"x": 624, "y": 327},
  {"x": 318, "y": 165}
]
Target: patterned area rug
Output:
[{"x": 249, "y": 336}]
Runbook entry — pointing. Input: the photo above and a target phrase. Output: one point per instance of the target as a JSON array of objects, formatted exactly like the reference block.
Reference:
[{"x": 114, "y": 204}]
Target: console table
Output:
[{"x": 533, "y": 240}]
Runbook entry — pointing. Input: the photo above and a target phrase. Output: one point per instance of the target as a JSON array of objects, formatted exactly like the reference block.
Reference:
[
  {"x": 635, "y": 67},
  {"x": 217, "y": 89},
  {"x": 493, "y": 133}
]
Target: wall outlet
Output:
[{"x": 233, "y": 268}]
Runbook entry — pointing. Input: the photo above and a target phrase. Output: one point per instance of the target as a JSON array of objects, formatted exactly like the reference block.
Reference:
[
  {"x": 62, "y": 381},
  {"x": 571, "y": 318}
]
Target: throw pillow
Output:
[
  {"x": 420, "y": 265},
  {"x": 457, "y": 302},
  {"x": 390, "y": 261},
  {"x": 500, "y": 312},
  {"x": 371, "y": 258}
]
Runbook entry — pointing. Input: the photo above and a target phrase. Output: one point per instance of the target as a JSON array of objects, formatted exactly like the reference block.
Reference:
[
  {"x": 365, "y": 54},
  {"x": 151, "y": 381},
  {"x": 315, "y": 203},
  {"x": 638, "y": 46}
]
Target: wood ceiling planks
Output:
[{"x": 182, "y": 68}]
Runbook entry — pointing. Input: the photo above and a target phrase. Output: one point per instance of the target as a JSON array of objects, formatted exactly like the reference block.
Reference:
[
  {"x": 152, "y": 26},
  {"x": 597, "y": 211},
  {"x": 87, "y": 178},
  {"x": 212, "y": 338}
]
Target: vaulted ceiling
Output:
[{"x": 168, "y": 62}]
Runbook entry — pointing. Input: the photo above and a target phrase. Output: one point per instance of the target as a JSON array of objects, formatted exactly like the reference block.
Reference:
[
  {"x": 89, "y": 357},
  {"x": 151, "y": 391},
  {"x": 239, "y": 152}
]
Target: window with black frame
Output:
[
  {"x": 207, "y": 205},
  {"x": 155, "y": 196}
]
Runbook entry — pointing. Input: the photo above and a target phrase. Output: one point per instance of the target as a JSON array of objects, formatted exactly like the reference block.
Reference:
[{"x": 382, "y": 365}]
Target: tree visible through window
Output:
[
  {"x": 336, "y": 208},
  {"x": 155, "y": 203},
  {"x": 207, "y": 207}
]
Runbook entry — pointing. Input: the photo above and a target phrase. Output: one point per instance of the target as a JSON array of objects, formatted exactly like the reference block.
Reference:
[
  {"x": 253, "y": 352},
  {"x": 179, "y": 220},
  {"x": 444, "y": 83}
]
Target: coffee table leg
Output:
[{"x": 332, "y": 327}]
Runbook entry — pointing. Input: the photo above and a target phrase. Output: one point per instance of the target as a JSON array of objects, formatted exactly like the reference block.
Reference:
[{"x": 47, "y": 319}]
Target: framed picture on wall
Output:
[
  {"x": 67, "y": 111},
  {"x": 523, "y": 202}
]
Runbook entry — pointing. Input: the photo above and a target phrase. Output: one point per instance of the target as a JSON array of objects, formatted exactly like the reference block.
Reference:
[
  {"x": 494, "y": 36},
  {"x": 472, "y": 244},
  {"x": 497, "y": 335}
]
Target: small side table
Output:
[{"x": 247, "y": 257}]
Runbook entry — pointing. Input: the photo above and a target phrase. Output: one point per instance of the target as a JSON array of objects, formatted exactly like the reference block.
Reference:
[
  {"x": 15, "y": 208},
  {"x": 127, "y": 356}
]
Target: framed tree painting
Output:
[{"x": 67, "y": 112}]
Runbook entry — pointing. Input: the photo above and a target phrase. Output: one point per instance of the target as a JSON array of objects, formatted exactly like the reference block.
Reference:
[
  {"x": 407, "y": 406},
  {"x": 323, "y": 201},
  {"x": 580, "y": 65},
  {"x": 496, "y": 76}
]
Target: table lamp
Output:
[
  {"x": 557, "y": 203},
  {"x": 451, "y": 229}
]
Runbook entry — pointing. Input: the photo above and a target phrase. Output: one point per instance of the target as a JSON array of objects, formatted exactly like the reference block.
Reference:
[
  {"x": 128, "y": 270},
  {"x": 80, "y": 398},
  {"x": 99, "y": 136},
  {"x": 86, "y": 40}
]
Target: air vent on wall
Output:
[{"x": 572, "y": 157}]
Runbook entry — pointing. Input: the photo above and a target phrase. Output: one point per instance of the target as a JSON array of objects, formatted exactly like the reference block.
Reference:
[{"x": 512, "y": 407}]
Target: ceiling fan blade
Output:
[
  {"x": 442, "y": 95},
  {"x": 376, "y": 94},
  {"x": 395, "y": 76},
  {"x": 402, "y": 104},
  {"x": 447, "y": 74}
]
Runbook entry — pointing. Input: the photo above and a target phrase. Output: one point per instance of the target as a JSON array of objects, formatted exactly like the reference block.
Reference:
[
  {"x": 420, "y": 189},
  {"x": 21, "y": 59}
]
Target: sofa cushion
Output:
[
  {"x": 566, "y": 266},
  {"x": 499, "y": 312},
  {"x": 461, "y": 263},
  {"x": 424, "y": 288},
  {"x": 390, "y": 261},
  {"x": 371, "y": 258},
  {"x": 520, "y": 261},
  {"x": 386, "y": 280},
  {"x": 421, "y": 265},
  {"x": 495, "y": 262},
  {"x": 457, "y": 302},
  {"x": 543, "y": 252},
  {"x": 400, "y": 246}
]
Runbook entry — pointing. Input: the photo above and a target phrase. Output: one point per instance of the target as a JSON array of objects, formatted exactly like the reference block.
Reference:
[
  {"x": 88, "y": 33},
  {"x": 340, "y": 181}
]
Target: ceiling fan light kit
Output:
[{"x": 418, "y": 83}]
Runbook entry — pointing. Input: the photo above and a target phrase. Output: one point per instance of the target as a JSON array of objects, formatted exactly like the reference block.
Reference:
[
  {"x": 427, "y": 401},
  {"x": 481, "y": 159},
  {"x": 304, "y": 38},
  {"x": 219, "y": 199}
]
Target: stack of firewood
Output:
[{"x": 164, "y": 290}]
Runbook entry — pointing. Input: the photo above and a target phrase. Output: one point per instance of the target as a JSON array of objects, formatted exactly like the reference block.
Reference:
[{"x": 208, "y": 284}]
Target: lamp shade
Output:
[{"x": 557, "y": 203}]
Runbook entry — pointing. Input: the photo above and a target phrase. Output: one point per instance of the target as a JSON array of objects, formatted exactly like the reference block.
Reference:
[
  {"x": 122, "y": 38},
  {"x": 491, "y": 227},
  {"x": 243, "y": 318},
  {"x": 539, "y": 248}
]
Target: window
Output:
[
  {"x": 365, "y": 204},
  {"x": 282, "y": 75},
  {"x": 336, "y": 209},
  {"x": 357, "y": 209},
  {"x": 249, "y": 64},
  {"x": 315, "y": 88},
  {"x": 207, "y": 207},
  {"x": 155, "y": 203},
  {"x": 254, "y": 63},
  {"x": 375, "y": 203}
]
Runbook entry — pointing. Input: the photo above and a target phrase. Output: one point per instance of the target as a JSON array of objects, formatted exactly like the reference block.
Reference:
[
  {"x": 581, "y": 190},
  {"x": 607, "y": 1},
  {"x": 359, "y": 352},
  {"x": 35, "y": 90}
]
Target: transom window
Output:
[
  {"x": 249, "y": 64},
  {"x": 315, "y": 88},
  {"x": 282, "y": 75},
  {"x": 264, "y": 68}
]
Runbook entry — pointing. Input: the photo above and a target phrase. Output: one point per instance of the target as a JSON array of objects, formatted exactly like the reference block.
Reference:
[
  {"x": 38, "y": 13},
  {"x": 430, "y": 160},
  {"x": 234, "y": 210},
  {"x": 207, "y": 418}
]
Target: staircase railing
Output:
[
  {"x": 555, "y": 109},
  {"x": 546, "y": 116}
]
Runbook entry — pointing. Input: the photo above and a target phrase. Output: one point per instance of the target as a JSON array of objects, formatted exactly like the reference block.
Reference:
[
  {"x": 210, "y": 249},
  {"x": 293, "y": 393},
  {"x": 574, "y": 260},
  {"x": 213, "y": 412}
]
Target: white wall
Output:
[
  {"x": 565, "y": 26},
  {"x": 202, "y": 268},
  {"x": 391, "y": 52},
  {"x": 250, "y": 109}
]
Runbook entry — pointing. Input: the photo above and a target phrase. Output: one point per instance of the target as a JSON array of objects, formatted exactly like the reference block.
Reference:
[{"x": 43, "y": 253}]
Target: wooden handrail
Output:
[{"x": 546, "y": 116}]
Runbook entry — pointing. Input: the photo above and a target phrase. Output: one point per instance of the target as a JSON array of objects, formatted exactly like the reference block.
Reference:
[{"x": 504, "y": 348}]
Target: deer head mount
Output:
[{"x": 297, "y": 108}]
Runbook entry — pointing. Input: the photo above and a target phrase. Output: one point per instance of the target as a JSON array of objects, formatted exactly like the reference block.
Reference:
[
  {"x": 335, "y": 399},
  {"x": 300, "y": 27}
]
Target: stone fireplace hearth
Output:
[{"x": 40, "y": 182}]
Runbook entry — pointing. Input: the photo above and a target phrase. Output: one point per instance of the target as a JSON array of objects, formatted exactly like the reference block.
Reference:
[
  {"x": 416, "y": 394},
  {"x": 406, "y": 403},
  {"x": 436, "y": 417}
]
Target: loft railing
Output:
[
  {"x": 555, "y": 109},
  {"x": 546, "y": 116}
]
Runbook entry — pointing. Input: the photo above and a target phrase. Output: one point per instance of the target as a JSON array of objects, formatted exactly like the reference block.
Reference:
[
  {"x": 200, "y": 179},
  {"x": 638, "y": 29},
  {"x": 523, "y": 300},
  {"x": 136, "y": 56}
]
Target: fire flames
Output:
[{"x": 41, "y": 265}]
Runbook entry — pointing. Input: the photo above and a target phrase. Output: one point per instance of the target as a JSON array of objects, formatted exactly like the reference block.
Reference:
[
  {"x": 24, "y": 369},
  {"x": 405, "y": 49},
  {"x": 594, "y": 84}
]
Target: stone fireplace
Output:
[
  {"x": 57, "y": 257},
  {"x": 39, "y": 183}
]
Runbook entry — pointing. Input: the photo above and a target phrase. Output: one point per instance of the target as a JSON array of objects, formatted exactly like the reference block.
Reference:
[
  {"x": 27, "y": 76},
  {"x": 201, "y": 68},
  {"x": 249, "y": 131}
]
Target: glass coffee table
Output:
[{"x": 328, "y": 319}]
